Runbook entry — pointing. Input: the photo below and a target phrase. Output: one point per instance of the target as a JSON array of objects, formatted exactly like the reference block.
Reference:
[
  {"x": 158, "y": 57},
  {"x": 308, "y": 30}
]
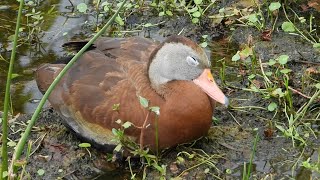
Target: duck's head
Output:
[{"x": 179, "y": 58}]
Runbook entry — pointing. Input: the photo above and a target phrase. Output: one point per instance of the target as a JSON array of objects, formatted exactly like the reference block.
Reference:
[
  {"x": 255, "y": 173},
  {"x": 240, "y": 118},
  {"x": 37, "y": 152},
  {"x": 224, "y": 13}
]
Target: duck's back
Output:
[{"x": 101, "y": 87}]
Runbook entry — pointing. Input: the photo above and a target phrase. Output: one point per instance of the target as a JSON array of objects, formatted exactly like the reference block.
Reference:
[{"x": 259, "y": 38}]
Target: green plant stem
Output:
[
  {"x": 303, "y": 111},
  {"x": 157, "y": 136},
  {"x": 300, "y": 33},
  {"x": 23, "y": 139},
  {"x": 248, "y": 173},
  {"x": 203, "y": 162},
  {"x": 4, "y": 152},
  {"x": 212, "y": 3}
]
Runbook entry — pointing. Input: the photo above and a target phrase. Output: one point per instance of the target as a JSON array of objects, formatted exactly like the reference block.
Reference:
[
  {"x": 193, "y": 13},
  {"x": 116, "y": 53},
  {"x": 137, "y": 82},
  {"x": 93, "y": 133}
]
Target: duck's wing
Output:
[{"x": 112, "y": 73}]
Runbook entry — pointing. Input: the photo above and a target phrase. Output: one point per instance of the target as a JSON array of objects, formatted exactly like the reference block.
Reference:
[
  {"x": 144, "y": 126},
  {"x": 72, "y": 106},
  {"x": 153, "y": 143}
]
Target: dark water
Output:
[{"x": 45, "y": 46}]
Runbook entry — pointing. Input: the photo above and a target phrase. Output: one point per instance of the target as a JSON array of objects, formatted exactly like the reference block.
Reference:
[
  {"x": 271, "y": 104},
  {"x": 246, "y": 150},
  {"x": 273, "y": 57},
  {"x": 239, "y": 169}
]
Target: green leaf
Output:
[
  {"x": 207, "y": 170},
  {"x": 252, "y": 76},
  {"x": 197, "y": 2},
  {"x": 316, "y": 45},
  {"x": 191, "y": 156},
  {"x": 11, "y": 143},
  {"x": 126, "y": 124},
  {"x": 272, "y": 62},
  {"x": 5, "y": 174},
  {"x": 280, "y": 128},
  {"x": 204, "y": 44},
  {"x": 274, "y": 6},
  {"x": 147, "y": 25},
  {"x": 144, "y": 102},
  {"x": 14, "y": 76},
  {"x": 302, "y": 19},
  {"x": 161, "y": 13},
  {"x": 118, "y": 148},
  {"x": 84, "y": 145},
  {"x": 253, "y": 18},
  {"x": 169, "y": 13},
  {"x": 272, "y": 106},
  {"x": 116, "y": 107},
  {"x": 236, "y": 57},
  {"x": 285, "y": 71},
  {"x": 193, "y": 10},
  {"x": 246, "y": 52},
  {"x": 106, "y": 3},
  {"x": 287, "y": 27},
  {"x": 196, "y": 14},
  {"x": 82, "y": 7},
  {"x": 114, "y": 132},
  {"x": 222, "y": 10},
  {"x": 278, "y": 92},
  {"x": 283, "y": 59},
  {"x": 40, "y": 172},
  {"x": 204, "y": 36},
  {"x": 180, "y": 160},
  {"x": 106, "y": 8},
  {"x": 118, "y": 121},
  {"x": 195, "y": 20},
  {"x": 119, "y": 20},
  {"x": 269, "y": 73},
  {"x": 155, "y": 109},
  {"x": 317, "y": 85}
]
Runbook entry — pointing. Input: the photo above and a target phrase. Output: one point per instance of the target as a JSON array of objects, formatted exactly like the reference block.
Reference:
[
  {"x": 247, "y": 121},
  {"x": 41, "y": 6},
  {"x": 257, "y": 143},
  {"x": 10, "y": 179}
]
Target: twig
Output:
[
  {"x": 142, "y": 130},
  {"x": 298, "y": 92},
  {"x": 234, "y": 118},
  {"x": 264, "y": 75},
  {"x": 41, "y": 139}
]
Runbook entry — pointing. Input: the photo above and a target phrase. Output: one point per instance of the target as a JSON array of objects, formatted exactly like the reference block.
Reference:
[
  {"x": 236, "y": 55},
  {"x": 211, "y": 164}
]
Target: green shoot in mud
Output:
[
  {"x": 309, "y": 35},
  {"x": 86, "y": 146},
  {"x": 313, "y": 166},
  {"x": 247, "y": 173}
]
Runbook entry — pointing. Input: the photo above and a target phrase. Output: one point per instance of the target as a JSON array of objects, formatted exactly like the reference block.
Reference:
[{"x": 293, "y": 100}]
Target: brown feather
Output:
[{"x": 116, "y": 72}]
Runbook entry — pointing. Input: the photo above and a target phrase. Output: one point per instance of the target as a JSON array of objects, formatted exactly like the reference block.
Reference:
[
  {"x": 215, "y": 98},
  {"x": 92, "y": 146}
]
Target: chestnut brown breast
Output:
[{"x": 115, "y": 72}]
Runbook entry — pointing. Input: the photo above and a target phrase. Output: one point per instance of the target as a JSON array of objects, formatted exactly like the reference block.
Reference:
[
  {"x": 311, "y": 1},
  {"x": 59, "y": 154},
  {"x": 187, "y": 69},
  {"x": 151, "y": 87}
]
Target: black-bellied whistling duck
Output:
[{"x": 174, "y": 75}]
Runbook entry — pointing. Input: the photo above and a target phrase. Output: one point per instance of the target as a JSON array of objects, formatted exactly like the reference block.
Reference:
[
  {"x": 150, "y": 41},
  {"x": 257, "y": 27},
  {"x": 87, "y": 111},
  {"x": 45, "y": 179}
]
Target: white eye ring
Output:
[{"x": 192, "y": 61}]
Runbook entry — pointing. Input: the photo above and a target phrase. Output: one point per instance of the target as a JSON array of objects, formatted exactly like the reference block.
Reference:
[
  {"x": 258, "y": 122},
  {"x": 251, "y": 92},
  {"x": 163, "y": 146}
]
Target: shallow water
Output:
[{"x": 58, "y": 28}]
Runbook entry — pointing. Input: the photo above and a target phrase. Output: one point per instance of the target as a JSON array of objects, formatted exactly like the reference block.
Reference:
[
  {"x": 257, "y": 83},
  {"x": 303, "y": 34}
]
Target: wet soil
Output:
[{"x": 228, "y": 145}]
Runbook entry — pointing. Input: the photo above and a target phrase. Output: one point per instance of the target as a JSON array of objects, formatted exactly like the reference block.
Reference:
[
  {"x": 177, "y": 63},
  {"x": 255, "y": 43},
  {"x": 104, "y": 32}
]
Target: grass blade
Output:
[{"x": 4, "y": 152}]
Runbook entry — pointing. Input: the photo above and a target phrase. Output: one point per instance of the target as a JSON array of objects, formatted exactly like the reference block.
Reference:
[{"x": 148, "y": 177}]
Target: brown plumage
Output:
[{"x": 117, "y": 71}]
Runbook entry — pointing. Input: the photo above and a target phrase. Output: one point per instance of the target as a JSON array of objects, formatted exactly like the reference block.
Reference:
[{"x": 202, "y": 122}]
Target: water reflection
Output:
[{"x": 57, "y": 28}]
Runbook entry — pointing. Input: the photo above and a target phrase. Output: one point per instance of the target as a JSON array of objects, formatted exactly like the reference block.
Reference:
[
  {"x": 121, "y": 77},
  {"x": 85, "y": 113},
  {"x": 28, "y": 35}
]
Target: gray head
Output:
[{"x": 177, "y": 58}]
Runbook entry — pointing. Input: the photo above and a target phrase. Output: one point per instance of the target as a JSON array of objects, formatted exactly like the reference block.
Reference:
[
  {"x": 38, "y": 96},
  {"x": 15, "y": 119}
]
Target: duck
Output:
[{"x": 104, "y": 87}]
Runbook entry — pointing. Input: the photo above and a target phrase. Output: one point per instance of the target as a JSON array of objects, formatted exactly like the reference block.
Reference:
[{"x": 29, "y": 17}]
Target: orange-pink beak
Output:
[{"x": 206, "y": 82}]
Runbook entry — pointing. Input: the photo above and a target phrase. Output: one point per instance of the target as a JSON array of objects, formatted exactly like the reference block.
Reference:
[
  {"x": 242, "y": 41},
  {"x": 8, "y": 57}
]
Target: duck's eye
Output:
[{"x": 192, "y": 61}]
